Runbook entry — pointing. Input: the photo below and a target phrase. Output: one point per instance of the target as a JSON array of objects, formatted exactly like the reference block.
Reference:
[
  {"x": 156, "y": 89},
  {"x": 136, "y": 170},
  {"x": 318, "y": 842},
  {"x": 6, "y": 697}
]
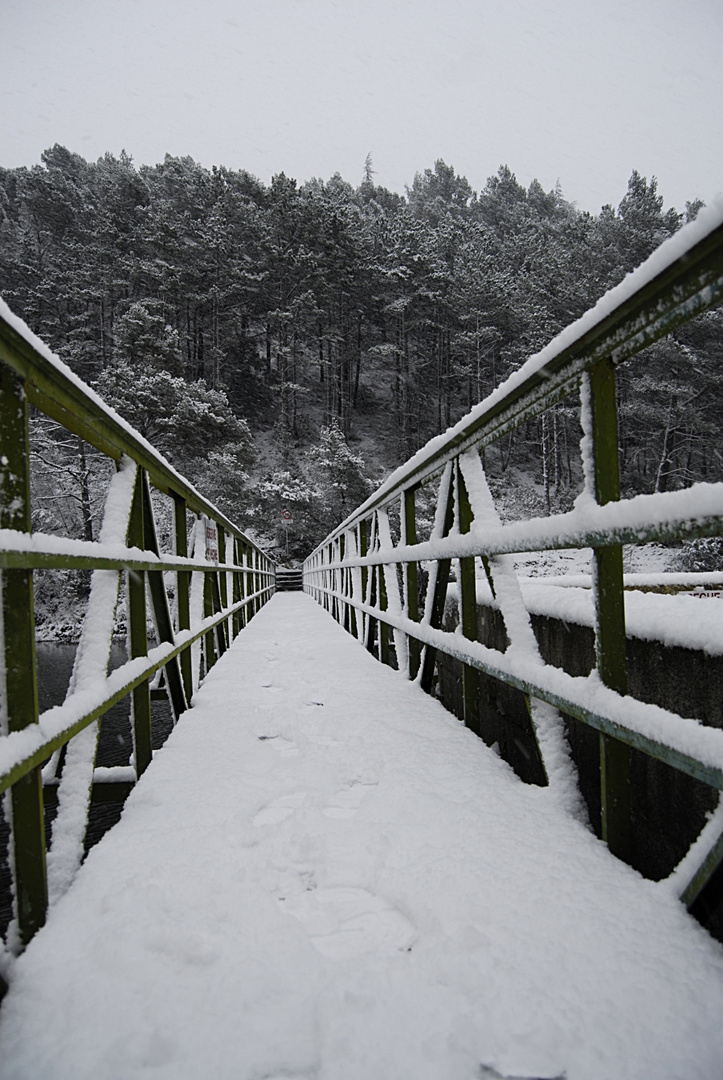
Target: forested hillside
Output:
[{"x": 286, "y": 345}]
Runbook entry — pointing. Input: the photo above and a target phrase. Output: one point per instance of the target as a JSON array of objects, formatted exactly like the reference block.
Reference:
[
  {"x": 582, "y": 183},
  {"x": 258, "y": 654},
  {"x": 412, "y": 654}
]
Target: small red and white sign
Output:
[
  {"x": 286, "y": 518},
  {"x": 211, "y": 541}
]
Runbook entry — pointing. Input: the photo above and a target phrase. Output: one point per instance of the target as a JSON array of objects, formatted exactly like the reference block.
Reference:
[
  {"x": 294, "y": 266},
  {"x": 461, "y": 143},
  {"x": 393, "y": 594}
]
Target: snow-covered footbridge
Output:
[{"x": 323, "y": 873}]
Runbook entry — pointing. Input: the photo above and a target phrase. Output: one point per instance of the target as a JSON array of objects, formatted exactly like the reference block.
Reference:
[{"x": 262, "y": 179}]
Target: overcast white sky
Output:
[{"x": 577, "y": 90}]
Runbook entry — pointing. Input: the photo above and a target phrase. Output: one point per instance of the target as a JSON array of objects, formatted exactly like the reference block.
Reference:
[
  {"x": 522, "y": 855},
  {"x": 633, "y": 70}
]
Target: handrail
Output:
[
  {"x": 216, "y": 593},
  {"x": 368, "y": 579}
]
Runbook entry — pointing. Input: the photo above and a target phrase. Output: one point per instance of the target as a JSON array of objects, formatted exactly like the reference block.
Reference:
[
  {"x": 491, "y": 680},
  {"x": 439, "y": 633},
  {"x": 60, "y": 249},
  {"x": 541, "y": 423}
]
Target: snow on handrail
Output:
[
  {"x": 696, "y": 511},
  {"x": 39, "y": 550}
]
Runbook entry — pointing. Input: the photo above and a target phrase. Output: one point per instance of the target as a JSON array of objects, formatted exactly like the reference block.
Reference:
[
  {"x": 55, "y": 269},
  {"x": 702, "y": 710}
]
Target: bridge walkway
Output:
[{"x": 325, "y": 876}]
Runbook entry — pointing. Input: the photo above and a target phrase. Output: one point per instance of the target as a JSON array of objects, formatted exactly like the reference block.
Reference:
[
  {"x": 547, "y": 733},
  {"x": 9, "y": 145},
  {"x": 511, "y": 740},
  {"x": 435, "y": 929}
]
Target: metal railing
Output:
[
  {"x": 215, "y": 592},
  {"x": 367, "y": 572}
]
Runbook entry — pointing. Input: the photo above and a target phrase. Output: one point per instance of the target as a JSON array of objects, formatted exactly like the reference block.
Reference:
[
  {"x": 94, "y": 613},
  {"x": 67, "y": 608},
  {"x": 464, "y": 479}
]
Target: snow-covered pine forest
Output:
[{"x": 287, "y": 345}]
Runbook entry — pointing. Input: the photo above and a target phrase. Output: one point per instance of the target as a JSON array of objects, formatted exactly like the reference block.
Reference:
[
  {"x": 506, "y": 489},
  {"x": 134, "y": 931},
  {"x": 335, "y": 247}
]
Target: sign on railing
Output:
[
  {"x": 216, "y": 588},
  {"x": 367, "y": 573}
]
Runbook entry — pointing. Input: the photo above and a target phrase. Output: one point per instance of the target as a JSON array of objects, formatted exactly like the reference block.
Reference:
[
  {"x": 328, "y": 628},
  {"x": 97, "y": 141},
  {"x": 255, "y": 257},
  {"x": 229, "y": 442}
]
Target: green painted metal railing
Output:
[
  {"x": 216, "y": 592},
  {"x": 369, "y": 581}
]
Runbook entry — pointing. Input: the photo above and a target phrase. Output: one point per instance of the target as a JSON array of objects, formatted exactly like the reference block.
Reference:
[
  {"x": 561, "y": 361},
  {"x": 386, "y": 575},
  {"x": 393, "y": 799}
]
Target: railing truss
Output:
[
  {"x": 52, "y": 757},
  {"x": 370, "y": 583}
]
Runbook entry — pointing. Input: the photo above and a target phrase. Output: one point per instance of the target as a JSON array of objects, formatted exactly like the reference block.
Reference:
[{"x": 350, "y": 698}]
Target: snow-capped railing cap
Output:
[{"x": 682, "y": 277}]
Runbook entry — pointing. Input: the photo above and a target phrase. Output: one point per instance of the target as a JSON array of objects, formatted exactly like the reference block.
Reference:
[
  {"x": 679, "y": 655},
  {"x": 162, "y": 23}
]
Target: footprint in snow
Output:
[
  {"x": 286, "y": 747},
  {"x": 279, "y": 809},
  {"x": 347, "y": 922},
  {"x": 347, "y": 801},
  {"x": 488, "y": 1073}
]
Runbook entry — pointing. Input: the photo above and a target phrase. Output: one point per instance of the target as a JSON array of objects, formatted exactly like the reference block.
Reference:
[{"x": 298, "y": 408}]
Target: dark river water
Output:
[{"x": 55, "y": 666}]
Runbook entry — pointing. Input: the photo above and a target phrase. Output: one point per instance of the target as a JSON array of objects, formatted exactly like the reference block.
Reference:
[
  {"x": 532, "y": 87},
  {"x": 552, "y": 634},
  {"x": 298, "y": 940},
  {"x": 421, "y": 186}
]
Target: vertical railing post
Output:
[
  {"x": 355, "y": 586},
  {"x": 183, "y": 591},
  {"x": 219, "y": 593},
  {"x": 384, "y": 654},
  {"x": 21, "y": 687},
  {"x": 247, "y": 584},
  {"x": 261, "y": 564},
  {"x": 610, "y": 638},
  {"x": 221, "y": 628},
  {"x": 223, "y": 582},
  {"x": 321, "y": 578},
  {"x": 236, "y": 587},
  {"x": 261, "y": 567},
  {"x": 244, "y": 584},
  {"x": 209, "y": 637},
  {"x": 363, "y": 549},
  {"x": 411, "y": 578},
  {"x": 161, "y": 610},
  {"x": 344, "y": 613},
  {"x": 249, "y": 579},
  {"x": 265, "y": 568},
  {"x": 255, "y": 579},
  {"x": 324, "y": 584},
  {"x": 332, "y": 581},
  {"x": 351, "y": 585},
  {"x": 468, "y": 606},
  {"x": 261, "y": 579},
  {"x": 439, "y": 596},
  {"x": 137, "y": 634},
  {"x": 371, "y": 591}
]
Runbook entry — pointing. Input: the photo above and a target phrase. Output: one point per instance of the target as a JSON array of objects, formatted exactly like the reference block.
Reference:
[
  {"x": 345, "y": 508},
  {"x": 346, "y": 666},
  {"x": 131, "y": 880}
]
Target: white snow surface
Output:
[
  {"x": 692, "y": 620},
  {"x": 324, "y": 876}
]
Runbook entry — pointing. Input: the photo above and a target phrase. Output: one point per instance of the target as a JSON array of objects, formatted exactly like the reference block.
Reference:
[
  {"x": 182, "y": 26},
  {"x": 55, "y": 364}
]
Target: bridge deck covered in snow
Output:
[{"x": 323, "y": 874}]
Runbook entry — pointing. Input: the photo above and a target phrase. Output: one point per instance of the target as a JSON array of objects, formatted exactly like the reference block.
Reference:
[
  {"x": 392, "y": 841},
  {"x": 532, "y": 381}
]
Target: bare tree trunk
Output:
[
  {"x": 321, "y": 353},
  {"x": 544, "y": 440},
  {"x": 660, "y": 475},
  {"x": 505, "y": 456},
  {"x": 84, "y": 479},
  {"x": 330, "y": 383},
  {"x": 567, "y": 450},
  {"x": 357, "y": 372}
]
